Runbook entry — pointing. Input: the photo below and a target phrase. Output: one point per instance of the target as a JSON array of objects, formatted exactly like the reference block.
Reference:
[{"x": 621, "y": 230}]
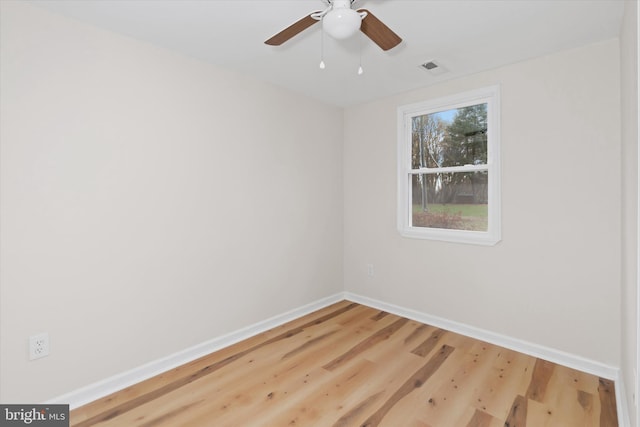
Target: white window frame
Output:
[{"x": 490, "y": 96}]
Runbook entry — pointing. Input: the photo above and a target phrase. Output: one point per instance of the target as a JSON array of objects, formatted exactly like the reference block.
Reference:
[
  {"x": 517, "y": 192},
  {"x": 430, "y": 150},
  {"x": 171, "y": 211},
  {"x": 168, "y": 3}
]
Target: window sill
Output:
[{"x": 453, "y": 236}]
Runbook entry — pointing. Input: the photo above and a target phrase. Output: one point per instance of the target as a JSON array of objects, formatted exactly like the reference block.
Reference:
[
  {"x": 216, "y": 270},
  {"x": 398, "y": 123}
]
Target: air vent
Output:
[
  {"x": 429, "y": 65},
  {"x": 434, "y": 68}
]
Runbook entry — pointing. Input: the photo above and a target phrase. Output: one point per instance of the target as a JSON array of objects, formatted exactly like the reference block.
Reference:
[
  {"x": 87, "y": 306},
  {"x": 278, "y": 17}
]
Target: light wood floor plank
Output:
[
  {"x": 455, "y": 393},
  {"x": 348, "y": 365}
]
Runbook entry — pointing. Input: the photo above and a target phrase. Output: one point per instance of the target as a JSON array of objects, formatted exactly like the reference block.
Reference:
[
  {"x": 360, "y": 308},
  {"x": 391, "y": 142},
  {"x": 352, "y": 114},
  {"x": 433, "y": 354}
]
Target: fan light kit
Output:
[{"x": 340, "y": 21}]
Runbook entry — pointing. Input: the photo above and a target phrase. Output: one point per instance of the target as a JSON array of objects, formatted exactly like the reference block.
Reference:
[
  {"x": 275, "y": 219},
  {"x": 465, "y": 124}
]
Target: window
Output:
[{"x": 449, "y": 168}]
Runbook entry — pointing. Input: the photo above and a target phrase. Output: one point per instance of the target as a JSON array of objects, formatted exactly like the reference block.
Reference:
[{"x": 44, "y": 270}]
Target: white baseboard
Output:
[
  {"x": 536, "y": 350},
  {"x": 110, "y": 385},
  {"x": 621, "y": 402}
]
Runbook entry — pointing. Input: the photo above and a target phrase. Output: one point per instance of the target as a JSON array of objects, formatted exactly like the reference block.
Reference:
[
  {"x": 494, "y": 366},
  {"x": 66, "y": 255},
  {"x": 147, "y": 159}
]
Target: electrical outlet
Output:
[
  {"x": 370, "y": 271},
  {"x": 38, "y": 346}
]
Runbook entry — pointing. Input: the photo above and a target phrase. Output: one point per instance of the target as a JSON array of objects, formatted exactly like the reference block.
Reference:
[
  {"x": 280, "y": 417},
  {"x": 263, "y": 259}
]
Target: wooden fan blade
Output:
[
  {"x": 292, "y": 30},
  {"x": 375, "y": 29}
]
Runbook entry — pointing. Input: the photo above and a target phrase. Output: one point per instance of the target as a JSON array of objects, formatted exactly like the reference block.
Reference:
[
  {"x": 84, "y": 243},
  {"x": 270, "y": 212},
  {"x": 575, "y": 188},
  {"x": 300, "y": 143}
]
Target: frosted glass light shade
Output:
[{"x": 341, "y": 23}]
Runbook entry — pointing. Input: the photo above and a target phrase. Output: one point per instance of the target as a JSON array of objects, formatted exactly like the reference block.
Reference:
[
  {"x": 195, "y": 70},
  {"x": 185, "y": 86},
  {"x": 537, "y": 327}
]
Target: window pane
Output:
[
  {"x": 456, "y": 201},
  {"x": 454, "y": 137}
]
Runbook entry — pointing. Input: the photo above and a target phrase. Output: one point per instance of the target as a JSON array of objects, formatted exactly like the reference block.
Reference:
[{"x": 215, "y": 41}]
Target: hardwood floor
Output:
[{"x": 351, "y": 365}]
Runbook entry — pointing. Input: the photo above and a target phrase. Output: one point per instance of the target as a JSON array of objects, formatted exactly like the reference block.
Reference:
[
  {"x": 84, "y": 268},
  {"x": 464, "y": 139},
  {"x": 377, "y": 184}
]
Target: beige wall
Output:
[
  {"x": 629, "y": 91},
  {"x": 150, "y": 202},
  {"x": 554, "y": 279}
]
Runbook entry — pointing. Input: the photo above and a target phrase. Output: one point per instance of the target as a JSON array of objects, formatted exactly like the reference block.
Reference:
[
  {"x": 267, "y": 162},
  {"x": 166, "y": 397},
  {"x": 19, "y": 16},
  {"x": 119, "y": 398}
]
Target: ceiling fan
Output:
[{"x": 340, "y": 21}]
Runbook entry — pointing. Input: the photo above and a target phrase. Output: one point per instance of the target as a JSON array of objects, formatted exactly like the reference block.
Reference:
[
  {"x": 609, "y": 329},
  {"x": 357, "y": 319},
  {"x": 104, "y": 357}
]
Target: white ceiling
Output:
[{"x": 464, "y": 36}]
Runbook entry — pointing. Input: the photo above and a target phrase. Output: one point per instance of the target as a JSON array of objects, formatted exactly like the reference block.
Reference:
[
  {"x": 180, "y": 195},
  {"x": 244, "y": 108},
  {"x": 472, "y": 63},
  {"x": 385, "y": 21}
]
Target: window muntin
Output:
[{"x": 448, "y": 169}]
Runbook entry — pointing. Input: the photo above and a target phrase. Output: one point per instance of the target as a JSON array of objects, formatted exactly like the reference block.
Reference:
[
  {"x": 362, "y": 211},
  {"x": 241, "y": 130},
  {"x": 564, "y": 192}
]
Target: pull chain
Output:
[{"x": 322, "y": 66}]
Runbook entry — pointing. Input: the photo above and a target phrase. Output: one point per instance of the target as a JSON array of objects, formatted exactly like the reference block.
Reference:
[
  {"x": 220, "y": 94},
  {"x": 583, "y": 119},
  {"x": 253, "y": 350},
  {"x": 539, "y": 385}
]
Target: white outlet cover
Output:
[
  {"x": 38, "y": 346},
  {"x": 370, "y": 271}
]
